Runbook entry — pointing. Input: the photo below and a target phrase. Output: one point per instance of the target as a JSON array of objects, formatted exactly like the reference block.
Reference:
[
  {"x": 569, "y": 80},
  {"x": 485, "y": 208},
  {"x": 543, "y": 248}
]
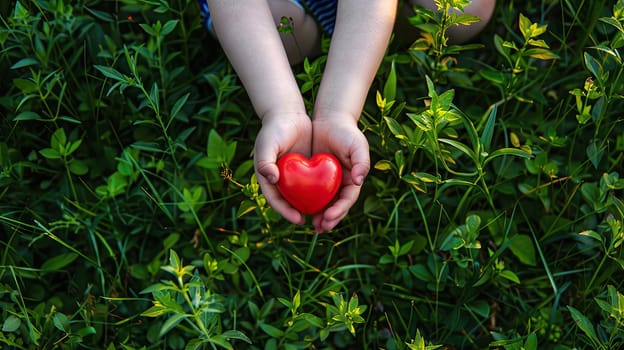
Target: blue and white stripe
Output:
[{"x": 323, "y": 11}]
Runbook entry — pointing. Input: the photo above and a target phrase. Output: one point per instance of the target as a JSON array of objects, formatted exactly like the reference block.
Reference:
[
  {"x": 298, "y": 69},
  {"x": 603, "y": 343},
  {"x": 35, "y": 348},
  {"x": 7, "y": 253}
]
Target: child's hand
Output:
[
  {"x": 341, "y": 136},
  {"x": 280, "y": 134}
]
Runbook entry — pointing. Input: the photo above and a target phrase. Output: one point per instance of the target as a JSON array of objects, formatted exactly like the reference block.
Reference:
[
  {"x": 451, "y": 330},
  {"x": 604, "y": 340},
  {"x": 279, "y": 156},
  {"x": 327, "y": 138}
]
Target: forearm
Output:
[
  {"x": 359, "y": 42},
  {"x": 251, "y": 42}
]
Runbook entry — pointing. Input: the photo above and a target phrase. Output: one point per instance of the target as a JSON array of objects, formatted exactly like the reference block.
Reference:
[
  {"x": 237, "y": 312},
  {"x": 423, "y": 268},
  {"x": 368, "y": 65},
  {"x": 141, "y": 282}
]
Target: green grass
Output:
[{"x": 130, "y": 217}]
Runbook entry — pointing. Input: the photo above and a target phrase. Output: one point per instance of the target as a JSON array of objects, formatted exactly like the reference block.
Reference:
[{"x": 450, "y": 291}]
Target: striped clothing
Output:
[{"x": 323, "y": 11}]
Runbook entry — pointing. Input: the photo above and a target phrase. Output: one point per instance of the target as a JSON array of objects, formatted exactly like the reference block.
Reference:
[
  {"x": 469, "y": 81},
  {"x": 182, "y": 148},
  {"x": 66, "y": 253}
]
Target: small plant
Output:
[
  {"x": 609, "y": 333},
  {"x": 432, "y": 51},
  {"x": 491, "y": 218},
  {"x": 188, "y": 305},
  {"x": 521, "y": 61}
]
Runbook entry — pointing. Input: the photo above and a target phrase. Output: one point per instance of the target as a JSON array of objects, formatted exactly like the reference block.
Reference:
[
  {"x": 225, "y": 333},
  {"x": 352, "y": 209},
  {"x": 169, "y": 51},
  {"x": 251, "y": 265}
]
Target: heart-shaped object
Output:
[{"x": 309, "y": 184}]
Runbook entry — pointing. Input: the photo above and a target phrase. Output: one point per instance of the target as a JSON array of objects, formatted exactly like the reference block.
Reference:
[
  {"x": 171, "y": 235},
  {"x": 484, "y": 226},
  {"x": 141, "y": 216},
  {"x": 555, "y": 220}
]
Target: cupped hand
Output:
[
  {"x": 280, "y": 134},
  {"x": 341, "y": 136}
]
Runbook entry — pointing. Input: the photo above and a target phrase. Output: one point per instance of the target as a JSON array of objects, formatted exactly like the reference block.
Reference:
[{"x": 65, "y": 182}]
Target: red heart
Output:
[{"x": 309, "y": 184}]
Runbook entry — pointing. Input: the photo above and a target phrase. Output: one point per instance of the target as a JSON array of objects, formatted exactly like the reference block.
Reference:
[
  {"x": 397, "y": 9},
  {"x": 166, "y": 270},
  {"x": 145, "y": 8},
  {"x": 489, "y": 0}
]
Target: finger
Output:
[
  {"x": 360, "y": 163},
  {"x": 329, "y": 218},
  {"x": 265, "y": 159},
  {"x": 317, "y": 222},
  {"x": 279, "y": 204},
  {"x": 267, "y": 170}
]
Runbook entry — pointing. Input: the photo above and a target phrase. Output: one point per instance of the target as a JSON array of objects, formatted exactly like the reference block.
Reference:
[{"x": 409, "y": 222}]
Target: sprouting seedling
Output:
[{"x": 286, "y": 25}]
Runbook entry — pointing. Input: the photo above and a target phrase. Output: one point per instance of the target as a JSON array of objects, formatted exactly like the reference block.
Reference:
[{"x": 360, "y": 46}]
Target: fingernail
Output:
[
  {"x": 272, "y": 179},
  {"x": 359, "y": 180}
]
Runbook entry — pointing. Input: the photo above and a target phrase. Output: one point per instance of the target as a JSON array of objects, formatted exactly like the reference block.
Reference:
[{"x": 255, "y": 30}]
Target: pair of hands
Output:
[{"x": 334, "y": 133}]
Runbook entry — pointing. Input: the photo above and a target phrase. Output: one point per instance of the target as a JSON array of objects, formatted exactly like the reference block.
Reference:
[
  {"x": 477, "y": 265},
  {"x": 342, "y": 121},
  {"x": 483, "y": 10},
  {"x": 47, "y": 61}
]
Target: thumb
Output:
[
  {"x": 360, "y": 160},
  {"x": 265, "y": 159},
  {"x": 268, "y": 170}
]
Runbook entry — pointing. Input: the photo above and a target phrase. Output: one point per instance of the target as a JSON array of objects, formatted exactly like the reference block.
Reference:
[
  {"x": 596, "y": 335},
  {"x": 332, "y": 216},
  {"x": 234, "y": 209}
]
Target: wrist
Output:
[
  {"x": 282, "y": 117},
  {"x": 331, "y": 115}
]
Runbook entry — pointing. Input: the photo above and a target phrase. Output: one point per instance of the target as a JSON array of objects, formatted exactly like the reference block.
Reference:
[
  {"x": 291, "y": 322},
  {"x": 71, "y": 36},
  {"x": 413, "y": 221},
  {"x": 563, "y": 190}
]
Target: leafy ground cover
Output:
[{"x": 130, "y": 217}]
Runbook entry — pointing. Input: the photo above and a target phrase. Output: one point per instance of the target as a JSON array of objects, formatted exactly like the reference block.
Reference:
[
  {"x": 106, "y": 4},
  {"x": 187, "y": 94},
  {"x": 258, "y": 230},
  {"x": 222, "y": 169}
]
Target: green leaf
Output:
[
  {"x": 354, "y": 303},
  {"x": 216, "y": 145},
  {"x": 423, "y": 121},
  {"x": 399, "y": 159},
  {"x": 608, "y": 308},
  {"x": 531, "y": 342},
  {"x": 296, "y": 301},
  {"x": 61, "y": 322},
  {"x": 245, "y": 208},
  {"x": 459, "y": 146},
  {"x": 168, "y": 27},
  {"x": 488, "y": 130},
  {"x": 524, "y": 25},
  {"x": 178, "y": 105},
  {"x": 221, "y": 341},
  {"x": 171, "y": 240},
  {"x": 530, "y": 30},
  {"x": 59, "y": 262},
  {"x": 101, "y": 15},
  {"x": 473, "y": 222},
  {"x": 594, "y": 153},
  {"x": 73, "y": 146},
  {"x": 156, "y": 287},
  {"x": 395, "y": 128},
  {"x": 11, "y": 324},
  {"x": 592, "y": 65},
  {"x": 70, "y": 119},
  {"x": 25, "y": 62},
  {"x": 233, "y": 334},
  {"x": 26, "y": 86},
  {"x": 154, "y": 97},
  {"x": 584, "y": 324},
  {"x": 510, "y": 275},
  {"x": 50, "y": 153},
  {"x": 4, "y": 35},
  {"x": 618, "y": 11},
  {"x": 230, "y": 152},
  {"x": 147, "y": 146},
  {"x": 387, "y": 258},
  {"x": 171, "y": 322},
  {"x": 28, "y": 115},
  {"x": 390, "y": 85},
  {"x": 111, "y": 72},
  {"x": 539, "y": 43},
  {"x": 383, "y": 165},
  {"x": 541, "y": 54},
  {"x": 446, "y": 99},
  {"x": 271, "y": 331},
  {"x": 452, "y": 242},
  {"x": 406, "y": 248},
  {"x": 242, "y": 254},
  {"x": 480, "y": 307},
  {"x": 466, "y": 19},
  {"x": 522, "y": 247},
  {"x": 174, "y": 260},
  {"x": 502, "y": 48},
  {"x": 493, "y": 76},
  {"x": 58, "y": 141},
  {"x": 323, "y": 334},
  {"x": 148, "y": 29},
  {"x": 515, "y": 152},
  {"x": 426, "y": 178},
  {"x": 592, "y": 234},
  {"x": 78, "y": 167},
  {"x": 609, "y": 51}
]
